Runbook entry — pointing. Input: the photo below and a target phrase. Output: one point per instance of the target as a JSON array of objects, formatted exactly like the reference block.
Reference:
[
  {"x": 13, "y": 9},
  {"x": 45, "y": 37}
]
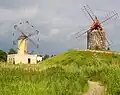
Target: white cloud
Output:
[
  {"x": 56, "y": 19},
  {"x": 54, "y": 31},
  {"x": 22, "y": 13}
]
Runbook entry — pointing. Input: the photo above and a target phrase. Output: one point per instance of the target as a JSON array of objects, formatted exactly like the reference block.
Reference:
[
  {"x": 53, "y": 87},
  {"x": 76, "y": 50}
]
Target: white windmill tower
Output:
[{"x": 23, "y": 40}]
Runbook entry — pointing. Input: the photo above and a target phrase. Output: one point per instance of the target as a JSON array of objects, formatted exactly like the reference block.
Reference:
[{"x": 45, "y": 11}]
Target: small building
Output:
[
  {"x": 22, "y": 56},
  {"x": 22, "y": 59}
]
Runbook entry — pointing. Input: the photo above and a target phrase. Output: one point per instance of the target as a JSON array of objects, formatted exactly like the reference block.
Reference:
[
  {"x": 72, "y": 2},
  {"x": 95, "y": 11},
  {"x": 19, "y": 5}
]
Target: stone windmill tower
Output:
[
  {"x": 96, "y": 39},
  {"x": 96, "y": 36}
]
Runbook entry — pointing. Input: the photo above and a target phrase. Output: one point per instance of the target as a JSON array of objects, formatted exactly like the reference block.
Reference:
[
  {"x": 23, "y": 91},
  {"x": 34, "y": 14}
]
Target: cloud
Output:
[
  {"x": 9, "y": 17},
  {"x": 23, "y": 13},
  {"x": 57, "y": 20}
]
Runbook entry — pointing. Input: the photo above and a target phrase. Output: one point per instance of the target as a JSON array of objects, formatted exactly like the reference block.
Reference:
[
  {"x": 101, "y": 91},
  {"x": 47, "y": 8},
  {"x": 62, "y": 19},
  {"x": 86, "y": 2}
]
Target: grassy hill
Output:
[{"x": 64, "y": 74}]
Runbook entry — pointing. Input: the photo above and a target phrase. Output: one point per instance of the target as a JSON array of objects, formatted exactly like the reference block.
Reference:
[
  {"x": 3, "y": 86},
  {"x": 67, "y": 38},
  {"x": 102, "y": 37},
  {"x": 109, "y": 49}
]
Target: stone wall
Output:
[{"x": 96, "y": 40}]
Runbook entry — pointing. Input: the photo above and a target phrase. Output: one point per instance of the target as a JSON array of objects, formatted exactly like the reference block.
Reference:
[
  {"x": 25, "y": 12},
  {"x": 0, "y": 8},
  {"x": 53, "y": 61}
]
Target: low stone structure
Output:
[{"x": 95, "y": 88}]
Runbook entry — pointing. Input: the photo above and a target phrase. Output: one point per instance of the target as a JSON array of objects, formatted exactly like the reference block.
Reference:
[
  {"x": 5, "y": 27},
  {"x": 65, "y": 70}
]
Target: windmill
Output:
[
  {"x": 96, "y": 39},
  {"x": 27, "y": 31}
]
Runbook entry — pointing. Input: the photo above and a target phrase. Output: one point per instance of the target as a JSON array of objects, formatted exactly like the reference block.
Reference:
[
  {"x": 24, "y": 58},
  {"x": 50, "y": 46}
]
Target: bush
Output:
[{"x": 3, "y": 56}]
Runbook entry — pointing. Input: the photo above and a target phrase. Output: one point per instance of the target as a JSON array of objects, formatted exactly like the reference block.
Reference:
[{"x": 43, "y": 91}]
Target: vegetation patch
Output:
[{"x": 64, "y": 74}]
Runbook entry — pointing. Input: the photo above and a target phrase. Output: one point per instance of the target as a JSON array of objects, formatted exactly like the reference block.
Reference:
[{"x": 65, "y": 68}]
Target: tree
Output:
[
  {"x": 32, "y": 52},
  {"x": 12, "y": 51},
  {"x": 45, "y": 57},
  {"x": 53, "y": 55},
  {"x": 108, "y": 48},
  {"x": 3, "y": 56}
]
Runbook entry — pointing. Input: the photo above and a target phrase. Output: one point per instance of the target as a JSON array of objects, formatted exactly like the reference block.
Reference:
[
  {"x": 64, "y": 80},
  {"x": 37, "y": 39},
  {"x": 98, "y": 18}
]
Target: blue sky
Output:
[{"x": 57, "y": 21}]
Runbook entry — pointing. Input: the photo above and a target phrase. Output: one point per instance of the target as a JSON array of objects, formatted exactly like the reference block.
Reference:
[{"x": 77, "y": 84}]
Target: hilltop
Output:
[
  {"x": 83, "y": 57},
  {"x": 65, "y": 74}
]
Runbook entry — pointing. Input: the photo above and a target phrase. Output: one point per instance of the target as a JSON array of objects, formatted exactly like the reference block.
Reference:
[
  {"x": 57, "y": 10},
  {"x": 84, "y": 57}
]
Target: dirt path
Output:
[{"x": 94, "y": 89}]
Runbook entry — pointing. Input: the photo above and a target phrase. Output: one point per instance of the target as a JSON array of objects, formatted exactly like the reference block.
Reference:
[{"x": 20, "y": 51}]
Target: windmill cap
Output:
[{"x": 21, "y": 37}]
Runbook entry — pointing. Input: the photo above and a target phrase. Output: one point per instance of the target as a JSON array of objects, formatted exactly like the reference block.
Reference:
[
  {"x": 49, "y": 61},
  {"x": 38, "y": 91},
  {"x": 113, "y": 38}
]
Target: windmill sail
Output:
[
  {"x": 96, "y": 38},
  {"x": 26, "y": 36}
]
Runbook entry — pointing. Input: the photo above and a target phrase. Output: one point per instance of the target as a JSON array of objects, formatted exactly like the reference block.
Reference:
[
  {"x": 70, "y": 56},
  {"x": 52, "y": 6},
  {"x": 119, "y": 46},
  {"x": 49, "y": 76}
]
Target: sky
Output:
[{"x": 57, "y": 21}]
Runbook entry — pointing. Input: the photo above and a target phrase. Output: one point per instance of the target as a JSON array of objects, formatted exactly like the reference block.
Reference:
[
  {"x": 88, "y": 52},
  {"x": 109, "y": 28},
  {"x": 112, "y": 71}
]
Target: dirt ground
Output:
[{"x": 95, "y": 89}]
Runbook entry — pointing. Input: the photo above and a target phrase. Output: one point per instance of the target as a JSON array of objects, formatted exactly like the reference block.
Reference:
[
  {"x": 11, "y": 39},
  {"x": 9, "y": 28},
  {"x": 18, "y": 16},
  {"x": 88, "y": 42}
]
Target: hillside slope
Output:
[
  {"x": 83, "y": 58},
  {"x": 65, "y": 74}
]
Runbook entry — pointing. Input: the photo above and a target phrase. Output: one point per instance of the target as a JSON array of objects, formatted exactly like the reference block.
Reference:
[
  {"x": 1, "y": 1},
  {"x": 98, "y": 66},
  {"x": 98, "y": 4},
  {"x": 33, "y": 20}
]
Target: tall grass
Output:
[
  {"x": 65, "y": 74},
  {"x": 53, "y": 81}
]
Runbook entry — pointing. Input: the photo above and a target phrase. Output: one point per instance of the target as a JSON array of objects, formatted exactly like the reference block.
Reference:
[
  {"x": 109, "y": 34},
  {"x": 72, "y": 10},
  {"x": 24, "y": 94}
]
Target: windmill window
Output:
[{"x": 9, "y": 59}]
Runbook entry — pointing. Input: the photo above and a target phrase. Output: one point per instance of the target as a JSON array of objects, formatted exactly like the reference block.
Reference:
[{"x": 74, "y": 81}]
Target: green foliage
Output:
[
  {"x": 108, "y": 48},
  {"x": 45, "y": 57},
  {"x": 64, "y": 74},
  {"x": 12, "y": 51},
  {"x": 3, "y": 56}
]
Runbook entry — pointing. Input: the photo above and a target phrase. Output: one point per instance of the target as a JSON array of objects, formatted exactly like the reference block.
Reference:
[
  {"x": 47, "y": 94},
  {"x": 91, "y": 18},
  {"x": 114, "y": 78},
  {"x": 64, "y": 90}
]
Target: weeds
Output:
[{"x": 65, "y": 74}]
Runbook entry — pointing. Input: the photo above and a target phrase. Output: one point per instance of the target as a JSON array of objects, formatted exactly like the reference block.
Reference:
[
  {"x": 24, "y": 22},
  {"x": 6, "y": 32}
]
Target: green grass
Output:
[
  {"x": 64, "y": 74},
  {"x": 53, "y": 81}
]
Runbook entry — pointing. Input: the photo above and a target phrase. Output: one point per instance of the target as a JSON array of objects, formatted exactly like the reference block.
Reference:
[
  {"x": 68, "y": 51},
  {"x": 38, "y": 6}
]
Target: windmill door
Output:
[{"x": 29, "y": 60}]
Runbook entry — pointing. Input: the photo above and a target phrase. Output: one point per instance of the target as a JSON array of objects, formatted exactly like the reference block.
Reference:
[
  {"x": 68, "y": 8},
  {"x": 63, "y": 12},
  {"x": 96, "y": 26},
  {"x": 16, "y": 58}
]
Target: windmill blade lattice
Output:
[
  {"x": 113, "y": 15},
  {"x": 28, "y": 31},
  {"x": 96, "y": 27},
  {"x": 86, "y": 10}
]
